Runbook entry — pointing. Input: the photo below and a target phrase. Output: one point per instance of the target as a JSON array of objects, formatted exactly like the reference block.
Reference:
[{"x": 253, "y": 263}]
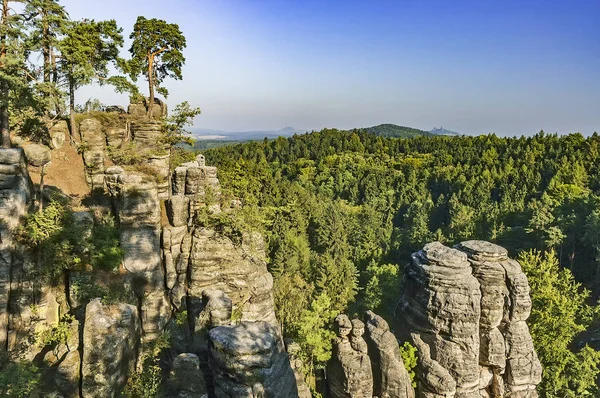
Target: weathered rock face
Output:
[
  {"x": 185, "y": 379},
  {"x": 349, "y": 370},
  {"x": 110, "y": 342},
  {"x": 240, "y": 271},
  {"x": 199, "y": 183},
  {"x": 509, "y": 364},
  {"x": 135, "y": 199},
  {"x": 248, "y": 360},
  {"x": 15, "y": 194},
  {"x": 92, "y": 137},
  {"x": 465, "y": 310},
  {"x": 391, "y": 379},
  {"x": 441, "y": 301},
  {"x": 58, "y": 131}
]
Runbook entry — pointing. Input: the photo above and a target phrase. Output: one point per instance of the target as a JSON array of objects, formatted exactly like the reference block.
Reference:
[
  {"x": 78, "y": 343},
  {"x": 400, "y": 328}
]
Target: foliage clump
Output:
[{"x": 560, "y": 312}]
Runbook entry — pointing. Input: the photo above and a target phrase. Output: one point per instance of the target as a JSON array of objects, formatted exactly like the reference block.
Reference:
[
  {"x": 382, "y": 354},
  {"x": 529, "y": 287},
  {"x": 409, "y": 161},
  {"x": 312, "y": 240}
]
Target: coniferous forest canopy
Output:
[{"x": 341, "y": 211}]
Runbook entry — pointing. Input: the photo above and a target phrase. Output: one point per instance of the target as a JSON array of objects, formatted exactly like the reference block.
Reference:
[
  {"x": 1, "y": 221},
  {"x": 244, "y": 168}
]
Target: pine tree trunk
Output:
[
  {"x": 73, "y": 129},
  {"x": 151, "y": 85},
  {"x": 4, "y": 90}
]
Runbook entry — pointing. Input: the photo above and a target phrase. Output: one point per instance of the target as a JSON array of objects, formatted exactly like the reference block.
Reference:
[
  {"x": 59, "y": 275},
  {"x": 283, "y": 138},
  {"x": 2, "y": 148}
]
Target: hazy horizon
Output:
[{"x": 474, "y": 67}]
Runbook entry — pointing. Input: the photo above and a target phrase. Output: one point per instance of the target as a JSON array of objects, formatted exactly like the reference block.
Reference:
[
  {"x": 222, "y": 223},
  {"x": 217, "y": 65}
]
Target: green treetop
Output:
[
  {"x": 86, "y": 51},
  {"x": 156, "y": 53}
]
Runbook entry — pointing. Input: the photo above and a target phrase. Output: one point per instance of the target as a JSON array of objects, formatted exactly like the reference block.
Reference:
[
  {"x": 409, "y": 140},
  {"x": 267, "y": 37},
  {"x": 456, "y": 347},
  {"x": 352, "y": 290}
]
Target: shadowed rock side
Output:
[
  {"x": 465, "y": 310},
  {"x": 390, "y": 377},
  {"x": 110, "y": 343},
  {"x": 15, "y": 194}
]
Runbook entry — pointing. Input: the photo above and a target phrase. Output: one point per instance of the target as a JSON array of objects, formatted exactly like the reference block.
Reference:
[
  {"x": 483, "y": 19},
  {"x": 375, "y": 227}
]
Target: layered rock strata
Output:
[
  {"x": 509, "y": 364},
  {"x": 248, "y": 359},
  {"x": 465, "y": 310},
  {"x": 136, "y": 203},
  {"x": 349, "y": 371}
]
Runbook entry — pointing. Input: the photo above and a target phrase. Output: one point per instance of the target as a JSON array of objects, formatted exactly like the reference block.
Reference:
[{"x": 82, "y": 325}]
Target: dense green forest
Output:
[{"x": 343, "y": 211}]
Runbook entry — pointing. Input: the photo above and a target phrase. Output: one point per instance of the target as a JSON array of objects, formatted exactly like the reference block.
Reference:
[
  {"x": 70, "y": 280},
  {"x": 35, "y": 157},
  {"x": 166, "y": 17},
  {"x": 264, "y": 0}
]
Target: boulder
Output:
[
  {"x": 185, "y": 379},
  {"x": 59, "y": 131},
  {"x": 38, "y": 155}
]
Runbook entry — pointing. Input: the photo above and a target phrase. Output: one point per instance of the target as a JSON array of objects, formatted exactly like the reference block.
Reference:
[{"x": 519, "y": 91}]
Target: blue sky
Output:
[{"x": 510, "y": 67}]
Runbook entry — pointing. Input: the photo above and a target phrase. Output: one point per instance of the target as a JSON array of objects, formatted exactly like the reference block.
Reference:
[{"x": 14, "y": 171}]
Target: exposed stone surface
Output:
[
  {"x": 441, "y": 301},
  {"x": 110, "y": 341},
  {"x": 349, "y": 370},
  {"x": 248, "y": 360},
  {"x": 240, "y": 271},
  {"x": 465, "y": 310},
  {"x": 185, "y": 379},
  {"x": 37, "y": 155},
  {"x": 293, "y": 349},
  {"x": 15, "y": 194},
  {"x": 94, "y": 144},
  {"x": 509, "y": 363},
  {"x": 391, "y": 379},
  {"x": 135, "y": 199},
  {"x": 62, "y": 366}
]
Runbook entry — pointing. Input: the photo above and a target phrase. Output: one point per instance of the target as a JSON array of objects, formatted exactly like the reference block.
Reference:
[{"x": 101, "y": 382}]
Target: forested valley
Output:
[{"x": 343, "y": 210}]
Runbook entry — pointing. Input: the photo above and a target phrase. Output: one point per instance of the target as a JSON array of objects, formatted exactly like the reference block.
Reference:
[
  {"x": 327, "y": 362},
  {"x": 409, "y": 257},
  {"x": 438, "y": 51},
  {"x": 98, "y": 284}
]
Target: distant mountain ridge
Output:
[{"x": 210, "y": 134}]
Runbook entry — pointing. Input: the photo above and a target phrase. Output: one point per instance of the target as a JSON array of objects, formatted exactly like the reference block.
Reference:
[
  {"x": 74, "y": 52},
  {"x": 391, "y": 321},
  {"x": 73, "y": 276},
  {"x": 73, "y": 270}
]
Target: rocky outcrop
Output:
[
  {"x": 58, "y": 131},
  {"x": 349, "y": 370},
  {"x": 465, "y": 310},
  {"x": 185, "y": 380},
  {"x": 248, "y": 360},
  {"x": 135, "y": 198},
  {"x": 390, "y": 377},
  {"x": 509, "y": 364},
  {"x": 239, "y": 270},
  {"x": 94, "y": 144},
  {"x": 111, "y": 335},
  {"x": 15, "y": 194},
  {"x": 441, "y": 302}
]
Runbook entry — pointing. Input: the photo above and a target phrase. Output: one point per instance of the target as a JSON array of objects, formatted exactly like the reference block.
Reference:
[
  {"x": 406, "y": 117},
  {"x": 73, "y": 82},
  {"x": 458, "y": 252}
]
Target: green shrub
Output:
[
  {"x": 408, "y": 352},
  {"x": 18, "y": 380},
  {"x": 148, "y": 383}
]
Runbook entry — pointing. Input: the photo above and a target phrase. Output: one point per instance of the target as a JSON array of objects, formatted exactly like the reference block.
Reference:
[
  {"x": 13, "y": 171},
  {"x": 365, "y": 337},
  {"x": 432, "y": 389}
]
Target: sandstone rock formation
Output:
[
  {"x": 137, "y": 206},
  {"x": 185, "y": 380},
  {"x": 465, "y": 310},
  {"x": 509, "y": 364},
  {"x": 15, "y": 194},
  {"x": 349, "y": 370},
  {"x": 390, "y": 377},
  {"x": 248, "y": 361},
  {"x": 111, "y": 336}
]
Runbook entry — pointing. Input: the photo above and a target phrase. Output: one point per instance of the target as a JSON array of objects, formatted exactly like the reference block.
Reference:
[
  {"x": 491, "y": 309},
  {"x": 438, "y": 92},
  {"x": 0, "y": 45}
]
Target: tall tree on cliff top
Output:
[
  {"x": 86, "y": 52},
  {"x": 48, "y": 21},
  {"x": 156, "y": 53},
  {"x": 12, "y": 63}
]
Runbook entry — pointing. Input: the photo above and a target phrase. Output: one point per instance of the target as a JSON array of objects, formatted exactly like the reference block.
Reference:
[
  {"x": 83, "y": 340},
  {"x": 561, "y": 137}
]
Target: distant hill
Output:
[
  {"x": 443, "y": 131},
  {"x": 395, "y": 131}
]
